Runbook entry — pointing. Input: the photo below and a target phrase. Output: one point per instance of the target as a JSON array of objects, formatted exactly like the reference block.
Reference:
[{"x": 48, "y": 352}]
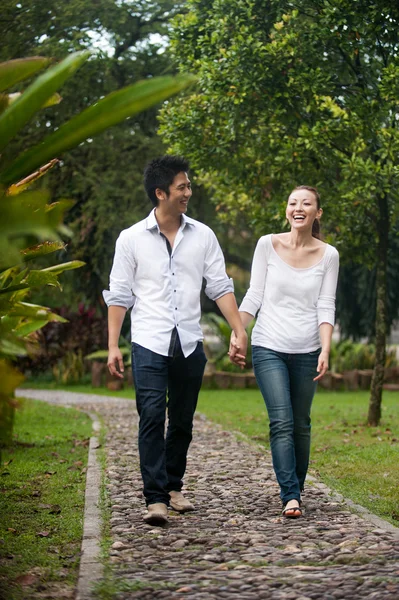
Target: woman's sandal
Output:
[{"x": 293, "y": 512}]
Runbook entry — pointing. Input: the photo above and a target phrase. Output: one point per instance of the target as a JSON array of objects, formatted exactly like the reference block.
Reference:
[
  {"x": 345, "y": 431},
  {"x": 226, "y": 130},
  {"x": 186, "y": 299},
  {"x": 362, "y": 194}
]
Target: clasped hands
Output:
[{"x": 238, "y": 348}]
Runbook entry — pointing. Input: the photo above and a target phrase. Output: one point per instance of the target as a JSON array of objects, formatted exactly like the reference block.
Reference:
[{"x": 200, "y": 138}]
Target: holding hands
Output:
[{"x": 238, "y": 348}]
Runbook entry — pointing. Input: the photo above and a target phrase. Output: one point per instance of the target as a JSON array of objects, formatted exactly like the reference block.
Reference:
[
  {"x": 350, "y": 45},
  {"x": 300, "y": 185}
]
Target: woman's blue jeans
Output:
[
  {"x": 172, "y": 383},
  {"x": 287, "y": 386}
]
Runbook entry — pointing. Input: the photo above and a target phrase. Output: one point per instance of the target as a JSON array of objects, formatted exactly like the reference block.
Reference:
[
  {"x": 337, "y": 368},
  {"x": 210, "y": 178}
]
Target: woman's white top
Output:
[{"x": 292, "y": 302}]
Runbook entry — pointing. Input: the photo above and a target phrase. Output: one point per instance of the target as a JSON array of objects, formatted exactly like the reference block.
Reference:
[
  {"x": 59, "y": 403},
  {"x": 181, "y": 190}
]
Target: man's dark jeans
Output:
[{"x": 163, "y": 461}]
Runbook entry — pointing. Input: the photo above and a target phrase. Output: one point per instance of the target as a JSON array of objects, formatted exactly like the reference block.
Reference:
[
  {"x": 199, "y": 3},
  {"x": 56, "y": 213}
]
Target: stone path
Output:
[{"x": 236, "y": 544}]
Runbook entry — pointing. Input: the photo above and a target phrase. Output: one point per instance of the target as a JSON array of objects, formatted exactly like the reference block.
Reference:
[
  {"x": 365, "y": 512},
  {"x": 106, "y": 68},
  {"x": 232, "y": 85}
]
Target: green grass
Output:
[
  {"x": 358, "y": 461},
  {"x": 42, "y": 500}
]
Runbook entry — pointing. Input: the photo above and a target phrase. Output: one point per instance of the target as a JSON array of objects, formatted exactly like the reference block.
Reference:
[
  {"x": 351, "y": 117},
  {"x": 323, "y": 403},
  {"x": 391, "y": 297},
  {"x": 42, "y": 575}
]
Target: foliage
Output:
[
  {"x": 348, "y": 355},
  {"x": 52, "y": 348},
  {"x": 28, "y": 217},
  {"x": 290, "y": 94}
]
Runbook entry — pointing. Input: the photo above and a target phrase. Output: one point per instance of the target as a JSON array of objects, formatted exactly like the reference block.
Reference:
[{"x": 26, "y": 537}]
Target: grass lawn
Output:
[
  {"x": 358, "y": 461},
  {"x": 42, "y": 500}
]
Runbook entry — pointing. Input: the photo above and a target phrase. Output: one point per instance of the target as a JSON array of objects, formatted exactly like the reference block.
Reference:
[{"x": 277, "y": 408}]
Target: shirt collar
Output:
[{"x": 152, "y": 223}]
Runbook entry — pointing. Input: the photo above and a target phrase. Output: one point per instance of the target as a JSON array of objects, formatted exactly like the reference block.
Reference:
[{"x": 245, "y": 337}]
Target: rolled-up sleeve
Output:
[
  {"x": 254, "y": 297},
  {"x": 217, "y": 281},
  {"x": 121, "y": 281},
  {"x": 326, "y": 300}
]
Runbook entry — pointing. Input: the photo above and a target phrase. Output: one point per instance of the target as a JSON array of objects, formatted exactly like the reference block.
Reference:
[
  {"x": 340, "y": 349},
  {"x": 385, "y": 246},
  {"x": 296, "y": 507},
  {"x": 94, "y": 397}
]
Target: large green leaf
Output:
[
  {"x": 36, "y": 95},
  {"x": 21, "y": 186},
  {"x": 14, "y": 288},
  {"x": 34, "y": 311},
  {"x": 52, "y": 101},
  {"x": 11, "y": 346},
  {"x": 38, "y": 278},
  {"x": 26, "y": 214},
  {"x": 10, "y": 378},
  {"x": 25, "y": 328},
  {"x": 68, "y": 266},
  {"x": 109, "y": 111},
  {"x": 41, "y": 250},
  {"x": 13, "y": 71}
]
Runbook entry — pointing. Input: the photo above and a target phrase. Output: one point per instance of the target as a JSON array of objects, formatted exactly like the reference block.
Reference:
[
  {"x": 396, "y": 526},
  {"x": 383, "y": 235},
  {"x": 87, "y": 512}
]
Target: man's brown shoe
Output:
[
  {"x": 179, "y": 502},
  {"x": 157, "y": 514}
]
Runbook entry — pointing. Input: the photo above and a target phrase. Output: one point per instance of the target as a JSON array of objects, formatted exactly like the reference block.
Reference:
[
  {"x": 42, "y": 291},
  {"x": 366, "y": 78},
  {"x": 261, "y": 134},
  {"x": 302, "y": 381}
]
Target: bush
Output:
[
  {"x": 347, "y": 355},
  {"x": 60, "y": 347}
]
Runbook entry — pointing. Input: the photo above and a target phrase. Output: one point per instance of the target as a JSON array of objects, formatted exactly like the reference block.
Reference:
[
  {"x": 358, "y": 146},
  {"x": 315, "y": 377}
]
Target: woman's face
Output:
[{"x": 302, "y": 210}]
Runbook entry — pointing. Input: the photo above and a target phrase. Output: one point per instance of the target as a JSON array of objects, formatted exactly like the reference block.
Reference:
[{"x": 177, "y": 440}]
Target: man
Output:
[{"x": 158, "y": 269}]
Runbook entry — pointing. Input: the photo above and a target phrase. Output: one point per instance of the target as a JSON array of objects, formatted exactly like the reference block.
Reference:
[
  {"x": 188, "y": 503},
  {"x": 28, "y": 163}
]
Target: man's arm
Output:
[
  {"x": 116, "y": 315},
  {"x": 228, "y": 307}
]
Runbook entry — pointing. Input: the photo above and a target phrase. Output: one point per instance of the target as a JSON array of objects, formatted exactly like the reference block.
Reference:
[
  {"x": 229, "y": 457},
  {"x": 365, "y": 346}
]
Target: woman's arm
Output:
[
  {"x": 326, "y": 331},
  {"x": 326, "y": 312}
]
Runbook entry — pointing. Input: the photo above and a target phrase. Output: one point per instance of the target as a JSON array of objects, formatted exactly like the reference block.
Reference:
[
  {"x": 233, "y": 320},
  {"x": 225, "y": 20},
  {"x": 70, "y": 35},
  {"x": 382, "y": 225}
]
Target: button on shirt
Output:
[{"x": 163, "y": 286}]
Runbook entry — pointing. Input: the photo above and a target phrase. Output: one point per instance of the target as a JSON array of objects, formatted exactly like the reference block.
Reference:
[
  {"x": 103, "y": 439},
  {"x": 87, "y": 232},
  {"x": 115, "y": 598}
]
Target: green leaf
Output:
[
  {"x": 109, "y": 111},
  {"x": 25, "y": 328},
  {"x": 14, "y": 288},
  {"x": 42, "y": 249},
  {"x": 27, "y": 214},
  {"x": 11, "y": 346},
  {"x": 10, "y": 378},
  {"x": 38, "y": 278},
  {"x": 21, "y": 186},
  {"x": 13, "y": 71},
  {"x": 36, "y": 95},
  {"x": 57, "y": 269},
  {"x": 34, "y": 311},
  {"x": 56, "y": 210},
  {"x": 52, "y": 101}
]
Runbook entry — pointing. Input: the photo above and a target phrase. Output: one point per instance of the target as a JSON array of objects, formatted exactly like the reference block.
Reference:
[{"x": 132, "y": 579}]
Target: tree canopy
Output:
[{"x": 292, "y": 92}]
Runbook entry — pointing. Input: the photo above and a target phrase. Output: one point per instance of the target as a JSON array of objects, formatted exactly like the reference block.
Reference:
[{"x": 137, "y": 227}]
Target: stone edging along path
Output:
[{"x": 235, "y": 545}]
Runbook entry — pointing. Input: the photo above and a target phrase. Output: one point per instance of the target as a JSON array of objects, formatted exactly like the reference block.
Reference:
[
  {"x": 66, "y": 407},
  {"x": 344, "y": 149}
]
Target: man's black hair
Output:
[{"x": 160, "y": 173}]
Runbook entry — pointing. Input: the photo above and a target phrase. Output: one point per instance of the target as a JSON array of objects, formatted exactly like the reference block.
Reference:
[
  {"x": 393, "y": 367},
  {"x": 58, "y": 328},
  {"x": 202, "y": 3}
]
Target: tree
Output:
[{"x": 297, "y": 92}]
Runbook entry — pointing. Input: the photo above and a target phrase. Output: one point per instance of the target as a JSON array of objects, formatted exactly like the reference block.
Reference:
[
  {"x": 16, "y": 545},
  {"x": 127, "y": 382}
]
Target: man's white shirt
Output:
[{"x": 163, "y": 289}]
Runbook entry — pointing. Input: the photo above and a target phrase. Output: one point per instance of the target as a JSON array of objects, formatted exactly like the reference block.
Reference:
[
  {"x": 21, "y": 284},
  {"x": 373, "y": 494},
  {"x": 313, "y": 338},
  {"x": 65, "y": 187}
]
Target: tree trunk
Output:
[{"x": 374, "y": 414}]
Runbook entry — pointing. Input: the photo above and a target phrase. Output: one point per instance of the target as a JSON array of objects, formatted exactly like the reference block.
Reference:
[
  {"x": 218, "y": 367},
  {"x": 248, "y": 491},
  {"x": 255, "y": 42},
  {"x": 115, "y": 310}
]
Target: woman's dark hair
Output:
[
  {"x": 160, "y": 173},
  {"x": 316, "y": 223}
]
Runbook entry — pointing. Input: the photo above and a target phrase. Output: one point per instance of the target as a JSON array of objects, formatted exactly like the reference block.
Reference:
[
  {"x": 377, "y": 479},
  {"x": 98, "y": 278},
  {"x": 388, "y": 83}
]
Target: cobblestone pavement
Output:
[{"x": 236, "y": 544}]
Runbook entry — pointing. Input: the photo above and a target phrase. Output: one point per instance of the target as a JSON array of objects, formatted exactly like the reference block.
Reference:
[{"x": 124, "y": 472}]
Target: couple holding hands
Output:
[{"x": 158, "y": 271}]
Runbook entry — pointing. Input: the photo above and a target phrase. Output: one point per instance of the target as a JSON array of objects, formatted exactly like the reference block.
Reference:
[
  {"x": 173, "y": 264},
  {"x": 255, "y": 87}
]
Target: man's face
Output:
[{"x": 179, "y": 195}]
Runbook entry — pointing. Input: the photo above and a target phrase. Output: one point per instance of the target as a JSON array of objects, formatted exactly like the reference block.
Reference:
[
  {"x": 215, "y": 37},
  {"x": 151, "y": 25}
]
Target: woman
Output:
[{"x": 293, "y": 284}]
